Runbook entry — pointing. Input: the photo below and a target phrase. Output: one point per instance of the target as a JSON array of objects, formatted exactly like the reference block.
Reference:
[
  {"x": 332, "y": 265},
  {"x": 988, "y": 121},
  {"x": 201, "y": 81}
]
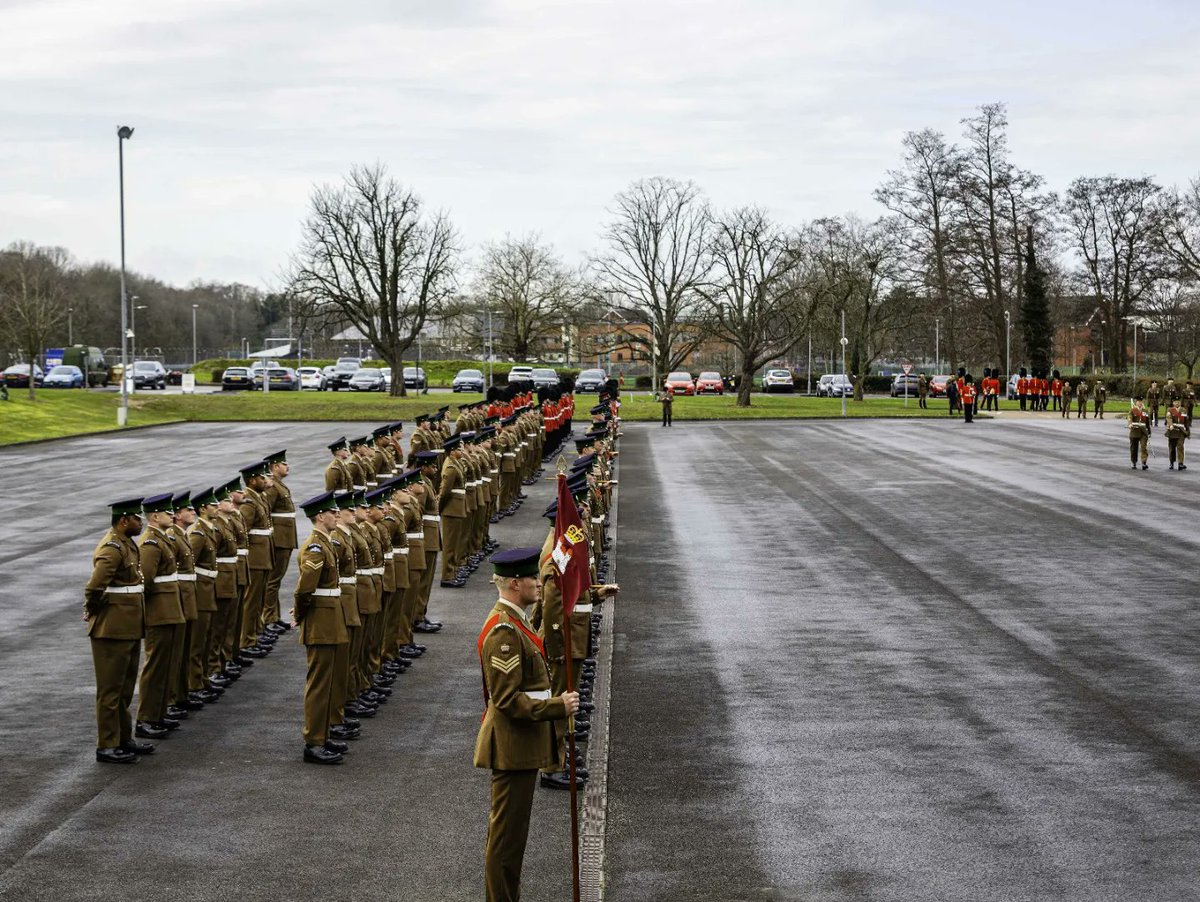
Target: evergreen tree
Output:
[{"x": 1035, "y": 313}]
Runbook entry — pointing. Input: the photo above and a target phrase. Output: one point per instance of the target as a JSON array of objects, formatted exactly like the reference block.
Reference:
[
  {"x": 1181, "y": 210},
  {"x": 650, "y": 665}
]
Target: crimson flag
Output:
[{"x": 570, "y": 551}]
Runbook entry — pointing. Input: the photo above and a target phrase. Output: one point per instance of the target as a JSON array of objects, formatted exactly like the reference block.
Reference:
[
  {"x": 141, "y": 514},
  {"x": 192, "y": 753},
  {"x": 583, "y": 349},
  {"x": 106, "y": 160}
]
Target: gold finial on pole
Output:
[{"x": 561, "y": 465}]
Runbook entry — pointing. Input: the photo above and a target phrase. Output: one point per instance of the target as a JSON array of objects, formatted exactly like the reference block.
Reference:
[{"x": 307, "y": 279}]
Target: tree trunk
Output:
[
  {"x": 744, "y": 387},
  {"x": 396, "y": 362}
]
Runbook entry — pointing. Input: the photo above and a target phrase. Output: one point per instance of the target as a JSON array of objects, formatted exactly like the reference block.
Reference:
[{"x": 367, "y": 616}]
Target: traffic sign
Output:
[{"x": 907, "y": 369}]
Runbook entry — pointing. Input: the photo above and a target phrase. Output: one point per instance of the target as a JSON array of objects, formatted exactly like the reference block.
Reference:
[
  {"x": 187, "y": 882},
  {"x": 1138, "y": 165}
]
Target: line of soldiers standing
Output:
[{"x": 200, "y": 592}]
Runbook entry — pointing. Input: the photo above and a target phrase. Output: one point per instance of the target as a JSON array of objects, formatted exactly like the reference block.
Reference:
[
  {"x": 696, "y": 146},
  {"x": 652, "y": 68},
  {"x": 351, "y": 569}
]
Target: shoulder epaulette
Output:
[
  {"x": 150, "y": 542},
  {"x": 504, "y": 624},
  {"x": 116, "y": 545}
]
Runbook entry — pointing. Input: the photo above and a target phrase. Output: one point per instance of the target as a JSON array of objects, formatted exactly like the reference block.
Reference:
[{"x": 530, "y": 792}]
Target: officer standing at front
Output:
[
  {"x": 112, "y": 607},
  {"x": 1177, "y": 433},
  {"x": 1139, "y": 434},
  {"x": 518, "y": 733}
]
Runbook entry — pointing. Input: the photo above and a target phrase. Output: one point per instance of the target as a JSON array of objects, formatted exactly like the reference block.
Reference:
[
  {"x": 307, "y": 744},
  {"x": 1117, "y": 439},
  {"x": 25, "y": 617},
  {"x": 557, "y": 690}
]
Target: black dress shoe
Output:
[
  {"x": 191, "y": 703},
  {"x": 252, "y": 653},
  {"x": 451, "y": 584},
  {"x": 372, "y": 698},
  {"x": 283, "y": 625},
  {"x": 350, "y": 723},
  {"x": 318, "y": 754},
  {"x": 219, "y": 681},
  {"x": 426, "y": 626},
  {"x": 378, "y": 689},
  {"x": 138, "y": 748},
  {"x": 342, "y": 732},
  {"x": 243, "y": 661},
  {"x": 560, "y": 780},
  {"x": 146, "y": 730},
  {"x": 334, "y": 745},
  {"x": 174, "y": 712},
  {"x": 380, "y": 680},
  {"x": 115, "y": 756},
  {"x": 168, "y": 723},
  {"x": 360, "y": 710},
  {"x": 206, "y": 696},
  {"x": 421, "y": 649},
  {"x": 275, "y": 627}
]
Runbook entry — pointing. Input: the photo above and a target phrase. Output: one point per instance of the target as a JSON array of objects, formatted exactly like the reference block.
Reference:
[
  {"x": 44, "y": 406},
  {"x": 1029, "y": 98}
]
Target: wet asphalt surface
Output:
[
  {"x": 904, "y": 661},
  {"x": 854, "y": 661},
  {"x": 225, "y": 808}
]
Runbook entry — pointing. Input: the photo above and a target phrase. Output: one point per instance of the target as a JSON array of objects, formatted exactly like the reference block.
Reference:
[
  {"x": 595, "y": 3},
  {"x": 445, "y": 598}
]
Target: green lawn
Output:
[{"x": 60, "y": 412}]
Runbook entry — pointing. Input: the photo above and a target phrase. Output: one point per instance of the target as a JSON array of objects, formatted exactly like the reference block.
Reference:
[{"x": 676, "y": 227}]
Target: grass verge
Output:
[{"x": 55, "y": 414}]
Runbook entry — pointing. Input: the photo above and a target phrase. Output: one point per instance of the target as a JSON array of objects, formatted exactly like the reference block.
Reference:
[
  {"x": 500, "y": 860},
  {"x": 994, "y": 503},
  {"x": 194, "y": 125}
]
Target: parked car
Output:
[
  {"x": 17, "y": 375},
  {"x": 90, "y": 360},
  {"x": 149, "y": 374},
  {"x": 591, "y": 381},
  {"x": 520, "y": 375},
  {"x": 387, "y": 377},
  {"x": 467, "y": 380},
  {"x": 681, "y": 383},
  {"x": 904, "y": 385},
  {"x": 236, "y": 378},
  {"x": 544, "y": 378},
  {"x": 343, "y": 371},
  {"x": 823, "y": 386},
  {"x": 311, "y": 377},
  {"x": 710, "y": 383},
  {"x": 414, "y": 377},
  {"x": 367, "y": 378},
  {"x": 64, "y": 377},
  {"x": 281, "y": 378},
  {"x": 838, "y": 386},
  {"x": 937, "y": 386},
  {"x": 327, "y": 372},
  {"x": 778, "y": 380},
  {"x": 257, "y": 367}
]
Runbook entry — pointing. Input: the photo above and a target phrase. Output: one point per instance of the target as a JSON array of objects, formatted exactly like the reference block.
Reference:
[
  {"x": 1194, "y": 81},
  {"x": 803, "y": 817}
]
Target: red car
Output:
[
  {"x": 937, "y": 386},
  {"x": 681, "y": 383},
  {"x": 710, "y": 382}
]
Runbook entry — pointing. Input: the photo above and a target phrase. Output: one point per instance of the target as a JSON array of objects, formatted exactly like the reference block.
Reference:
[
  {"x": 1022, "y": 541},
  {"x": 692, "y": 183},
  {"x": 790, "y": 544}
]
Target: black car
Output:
[
  {"x": 591, "y": 381},
  {"x": 343, "y": 372},
  {"x": 149, "y": 374},
  {"x": 17, "y": 375},
  {"x": 236, "y": 378},
  {"x": 468, "y": 380},
  {"x": 414, "y": 377}
]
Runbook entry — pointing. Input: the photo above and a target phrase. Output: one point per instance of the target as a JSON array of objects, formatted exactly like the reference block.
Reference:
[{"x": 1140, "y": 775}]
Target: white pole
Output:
[
  {"x": 937, "y": 344},
  {"x": 808, "y": 391},
  {"x": 123, "y": 133},
  {"x": 845, "y": 375}
]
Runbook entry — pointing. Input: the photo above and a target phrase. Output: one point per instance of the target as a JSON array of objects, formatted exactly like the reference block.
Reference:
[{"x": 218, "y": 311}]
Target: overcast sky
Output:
[{"x": 529, "y": 116}]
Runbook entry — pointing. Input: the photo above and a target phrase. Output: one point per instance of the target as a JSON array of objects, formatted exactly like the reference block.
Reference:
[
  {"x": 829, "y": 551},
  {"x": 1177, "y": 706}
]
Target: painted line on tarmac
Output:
[{"x": 595, "y": 799}]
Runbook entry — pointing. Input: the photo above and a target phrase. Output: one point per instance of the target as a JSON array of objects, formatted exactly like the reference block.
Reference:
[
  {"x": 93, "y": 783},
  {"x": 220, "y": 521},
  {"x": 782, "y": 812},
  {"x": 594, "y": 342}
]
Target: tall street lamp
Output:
[
  {"x": 937, "y": 344},
  {"x": 70, "y": 328},
  {"x": 1007, "y": 347},
  {"x": 845, "y": 341},
  {"x": 195, "y": 307},
  {"x": 124, "y": 133}
]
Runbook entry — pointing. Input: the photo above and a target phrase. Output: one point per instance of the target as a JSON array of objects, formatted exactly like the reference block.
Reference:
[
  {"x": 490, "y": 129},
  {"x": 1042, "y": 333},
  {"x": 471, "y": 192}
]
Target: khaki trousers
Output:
[
  {"x": 197, "y": 656},
  {"x": 270, "y": 611},
  {"x": 156, "y": 672},
  {"x": 508, "y": 832},
  {"x": 216, "y": 658},
  {"x": 233, "y": 626},
  {"x": 373, "y": 653},
  {"x": 453, "y": 535},
  {"x": 180, "y": 660},
  {"x": 116, "y": 663},
  {"x": 426, "y": 584},
  {"x": 253, "y": 599},
  {"x": 354, "y": 684},
  {"x": 341, "y": 679},
  {"x": 319, "y": 704}
]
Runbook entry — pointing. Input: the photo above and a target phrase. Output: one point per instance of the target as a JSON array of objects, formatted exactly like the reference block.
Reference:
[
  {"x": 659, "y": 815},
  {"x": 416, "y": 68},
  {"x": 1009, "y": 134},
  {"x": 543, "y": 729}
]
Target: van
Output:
[{"x": 90, "y": 360}]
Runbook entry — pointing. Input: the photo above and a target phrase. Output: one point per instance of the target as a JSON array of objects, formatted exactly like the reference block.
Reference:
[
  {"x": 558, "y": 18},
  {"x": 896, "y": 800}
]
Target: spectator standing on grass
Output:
[
  {"x": 922, "y": 390},
  {"x": 666, "y": 398},
  {"x": 952, "y": 395}
]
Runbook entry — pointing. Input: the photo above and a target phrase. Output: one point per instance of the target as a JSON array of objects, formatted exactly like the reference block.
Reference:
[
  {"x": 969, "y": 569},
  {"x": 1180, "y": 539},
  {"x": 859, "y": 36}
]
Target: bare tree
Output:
[
  {"x": 527, "y": 285},
  {"x": 850, "y": 265},
  {"x": 1115, "y": 227},
  {"x": 371, "y": 255},
  {"x": 756, "y": 300},
  {"x": 657, "y": 264},
  {"x": 33, "y": 298},
  {"x": 924, "y": 195}
]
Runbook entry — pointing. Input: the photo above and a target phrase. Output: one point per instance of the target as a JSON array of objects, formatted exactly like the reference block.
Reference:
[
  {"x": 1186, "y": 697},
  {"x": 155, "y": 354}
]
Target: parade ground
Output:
[{"x": 851, "y": 660}]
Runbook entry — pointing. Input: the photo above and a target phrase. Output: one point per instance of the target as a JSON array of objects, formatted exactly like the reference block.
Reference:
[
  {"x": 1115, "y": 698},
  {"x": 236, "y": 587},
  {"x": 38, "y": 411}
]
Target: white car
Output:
[
  {"x": 838, "y": 386},
  {"x": 520, "y": 374},
  {"x": 311, "y": 377},
  {"x": 778, "y": 380}
]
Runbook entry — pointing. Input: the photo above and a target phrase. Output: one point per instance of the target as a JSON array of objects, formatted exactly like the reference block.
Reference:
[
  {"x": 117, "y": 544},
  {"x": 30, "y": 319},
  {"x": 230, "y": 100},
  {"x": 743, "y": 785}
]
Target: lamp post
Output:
[
  {"x": 70, "y": 327},
  {"x": 124, "y": 133},
  {"x": 1007, "y": 349},
  {"x": 845, "y": 341},
  {"x": 937, "y": 344},
  {"x": 195, "y": 307},
  {"x": 489, "y": 348},
  {"x": 808, "y": 391},
  {"x": 133, "y": 309}
]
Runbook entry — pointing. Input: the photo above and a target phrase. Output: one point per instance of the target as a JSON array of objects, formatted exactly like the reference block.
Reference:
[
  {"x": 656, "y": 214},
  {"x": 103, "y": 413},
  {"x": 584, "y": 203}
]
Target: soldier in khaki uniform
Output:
[
  {"x": 1099, "y": 396},
  {"x": 184, "y": 516},
  {"x": 203, "y": 540},
  {"x": 452, "y": 506},
  {"x": 112, "y": 608},
  {"x": 278, "y": 498},
  {"x": 318, "y": 612},
  {"x": 425, "y": 492},
  {"x": 1153, "y": 402},
  {"x": 164, "y": 616},
  {"x": 221, "y": 665},
  {"x": 518, "y": 733},
  {"x": 1139, "y": 434},
  {"x": 256, "y": 514},
  {"x": 337, "y": 474},
  {"x": 1081, "y": 396},
  {"x": 1178, "y": 432}
]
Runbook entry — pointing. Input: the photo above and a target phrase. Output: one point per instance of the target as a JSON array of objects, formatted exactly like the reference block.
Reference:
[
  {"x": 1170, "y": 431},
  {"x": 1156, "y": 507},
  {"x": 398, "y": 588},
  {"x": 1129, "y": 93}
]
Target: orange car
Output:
[
  {"x": 710, "y": 382},
  {"x": 681, "y": 383}
]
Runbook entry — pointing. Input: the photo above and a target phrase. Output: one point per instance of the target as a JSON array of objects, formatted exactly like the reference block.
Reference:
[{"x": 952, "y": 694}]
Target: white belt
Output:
[
  {"x": 439, "y": 450},
  {"x": 260, "y": 532},
  {"x": 185, "y": 577},
  {"x": 211, "y": 574},
  {"x": 347, "y": 580},
  {"x": 487, "y": 479},
  {"x": 389, "y": 555},
  {"x": 541, "y": 695},
  {"x": 285, "y": 515},
  {"x": 123, "y": 590},
  {"x": 364, "y": 571},
  {"x": 597, "y": 519},
  {"x": 415, "y": 536},
  {"x": 494, "y": 471},
  {"x": 358, "y": 488},
  {"x": 583, "y": 608},
  {"x": 523, "y": 445},
  {"x": 401, "y": 551},
  {"x": 431, "y": 518},
  {"x": 531, "y": 434},
  {"x": 169, "y": 578},
  {"x": 459, "y": 491},
  {"x": 243, "y": 552},
  {"x": 375, "y": 571},
  {"x": 510, "y": 454},
  {"x": 227, "y": 560},
  {"x": 371, "y": 483},
  {"x": 327, "y": 593}
]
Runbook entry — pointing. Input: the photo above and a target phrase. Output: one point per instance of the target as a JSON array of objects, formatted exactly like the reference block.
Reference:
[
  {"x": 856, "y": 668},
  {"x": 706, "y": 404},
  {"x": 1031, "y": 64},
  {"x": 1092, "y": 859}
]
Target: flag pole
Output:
[{"x": 561, "y": 466}]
